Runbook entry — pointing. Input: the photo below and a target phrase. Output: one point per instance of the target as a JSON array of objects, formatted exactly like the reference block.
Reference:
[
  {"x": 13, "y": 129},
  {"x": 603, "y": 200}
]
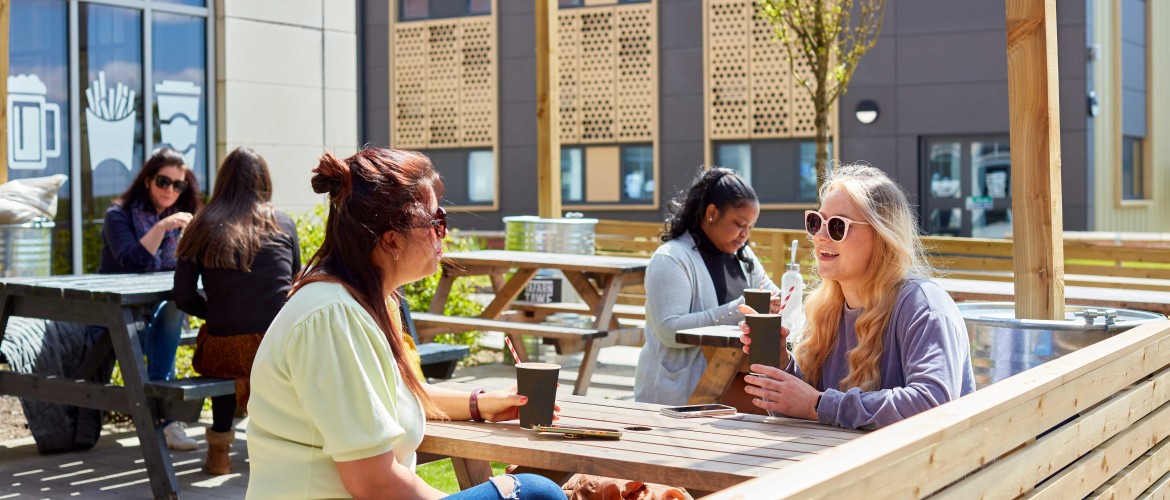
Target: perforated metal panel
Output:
[
  {"x": 568, "y": 59},
  {"x": 598, "y": 62},
  {"x": 636, "y": 58},
  {"x": 444, "y": 83},
  {"x": 751, "y": 91}
]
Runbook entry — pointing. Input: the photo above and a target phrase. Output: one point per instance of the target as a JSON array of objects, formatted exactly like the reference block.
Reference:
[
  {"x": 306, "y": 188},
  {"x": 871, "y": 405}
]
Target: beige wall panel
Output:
[
  {"x": 568, "y": 76},
  {"x": 636, "y": 73},
  {"x": 292, "y": 170},
  {"x": 729, "y": 68},
  {"x": 271, "y": 114},
  {"x": 603, "y": 177},
  {"x": 340, "y": 60},
  {"x": 598, "y": 67},
  {"x": 771, "y": 87},
  {"x": 341, "y": 117},
  {"x": 478, "y": 82},
  {"x": 444, "y": 83},
  {"x": 278, "y": 56},
  {"x": 409, "y": 121},
  {"x": 306, "y": 13},
  {"x": 340, "y": 15},
  {"x": 1159, "y": 102},
  {"x": 804, "y": 114}
]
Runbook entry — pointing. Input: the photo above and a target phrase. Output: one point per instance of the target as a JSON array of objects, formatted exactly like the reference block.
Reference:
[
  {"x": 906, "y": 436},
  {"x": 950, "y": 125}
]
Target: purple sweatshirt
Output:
[{"x": 926, "y": 362}]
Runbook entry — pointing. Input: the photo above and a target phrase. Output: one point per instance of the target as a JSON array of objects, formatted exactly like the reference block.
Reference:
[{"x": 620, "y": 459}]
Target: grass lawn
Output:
[{"x": 441, "y": 474}]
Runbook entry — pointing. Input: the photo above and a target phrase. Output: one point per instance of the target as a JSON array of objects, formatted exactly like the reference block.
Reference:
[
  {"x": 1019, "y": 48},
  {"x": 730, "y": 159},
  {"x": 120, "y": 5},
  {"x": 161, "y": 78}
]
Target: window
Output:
[
  {"x": 1135, "y": 174},
  {"x": 469, "y": 175},
  {"x": 569, "y": 3},
  {"x": 780, "y": 170},
  {"x": 608, "y": 175},
  {"x": 413, "y": 10},
  {"x": 967, "y": 186},
  {"x": 572, "y": 175},
  {"x": 481, "y": 177},
  {"x": 118, "y": 126},
  {"x": 638, "y": 174}
]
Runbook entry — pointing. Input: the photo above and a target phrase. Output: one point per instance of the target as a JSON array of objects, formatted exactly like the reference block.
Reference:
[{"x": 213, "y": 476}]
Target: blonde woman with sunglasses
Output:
[{"x": 883, "y": 342}]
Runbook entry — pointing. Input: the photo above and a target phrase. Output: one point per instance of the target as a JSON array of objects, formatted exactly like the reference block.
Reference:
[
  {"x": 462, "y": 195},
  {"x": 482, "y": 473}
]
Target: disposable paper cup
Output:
[
  {"x": 758, "y": 299},
  {"x": 538, "y": 381},
  {"x": 766, "y": 347}
]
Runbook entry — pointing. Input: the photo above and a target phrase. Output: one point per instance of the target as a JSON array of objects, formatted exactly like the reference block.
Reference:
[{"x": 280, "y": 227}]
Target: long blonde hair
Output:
[{"x": 897, "y": 248}]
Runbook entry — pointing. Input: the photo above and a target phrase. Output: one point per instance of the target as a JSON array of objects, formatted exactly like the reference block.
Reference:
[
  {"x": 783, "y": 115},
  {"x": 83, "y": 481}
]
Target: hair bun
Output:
[{"x": 333, "y": 177}]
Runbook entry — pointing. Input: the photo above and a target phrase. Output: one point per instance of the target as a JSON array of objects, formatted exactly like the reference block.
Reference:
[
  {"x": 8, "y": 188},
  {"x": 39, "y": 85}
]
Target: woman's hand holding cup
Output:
[
  {"x": 504, "y": 404},
  {"x": 745, "y": 337}
]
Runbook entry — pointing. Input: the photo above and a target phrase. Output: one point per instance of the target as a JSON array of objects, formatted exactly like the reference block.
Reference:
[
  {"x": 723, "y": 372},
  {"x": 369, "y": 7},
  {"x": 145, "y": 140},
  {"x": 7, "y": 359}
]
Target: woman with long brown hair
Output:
[
  {"x": 139, "y": 235},
  {"x": 882, "y": 342},
  {"x": 336, "y": 410},
  {"x": 247, "y": 254}
]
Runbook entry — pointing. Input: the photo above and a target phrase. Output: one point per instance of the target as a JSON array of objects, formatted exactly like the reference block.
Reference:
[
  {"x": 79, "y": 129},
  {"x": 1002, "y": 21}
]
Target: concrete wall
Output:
[
  {"x": 286, "y": 77},
  {"x": 940, "y": 69}
]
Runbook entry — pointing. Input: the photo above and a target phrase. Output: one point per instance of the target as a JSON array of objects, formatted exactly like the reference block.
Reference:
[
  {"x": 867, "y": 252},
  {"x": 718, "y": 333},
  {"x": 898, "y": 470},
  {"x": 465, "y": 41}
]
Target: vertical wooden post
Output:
[
  {"x": 4, "y": 47},
  {"x": 548, "y": 140},
  {"x": 1034, "y": 104}
]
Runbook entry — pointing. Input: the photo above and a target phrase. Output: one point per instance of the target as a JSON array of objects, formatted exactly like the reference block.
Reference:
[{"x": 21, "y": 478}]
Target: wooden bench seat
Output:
[
  {"x": 439, "y": 360},
  {"x": 182, "y": 399},
  {"x": 540, "y": 311},
  {"x": 429, "y": 325}
]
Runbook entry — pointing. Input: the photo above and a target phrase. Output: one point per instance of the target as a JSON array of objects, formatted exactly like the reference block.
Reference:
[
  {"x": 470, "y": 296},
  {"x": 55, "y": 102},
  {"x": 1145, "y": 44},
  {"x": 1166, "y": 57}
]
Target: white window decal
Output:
[
  {"x": 110, "y": 118},
  {"x": 178, "y": 115},
  {"x": 31, "y": 122}
]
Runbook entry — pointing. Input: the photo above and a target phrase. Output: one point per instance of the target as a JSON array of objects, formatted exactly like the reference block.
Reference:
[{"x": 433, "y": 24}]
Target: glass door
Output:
[{"x": 967, "y": 184}]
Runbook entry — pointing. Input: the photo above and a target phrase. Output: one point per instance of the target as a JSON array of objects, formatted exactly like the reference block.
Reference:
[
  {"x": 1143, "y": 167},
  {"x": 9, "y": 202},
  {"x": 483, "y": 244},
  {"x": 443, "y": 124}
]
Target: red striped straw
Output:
[
  {"x": 787, "y": 296},
  {"x": 512, "y": 348}
]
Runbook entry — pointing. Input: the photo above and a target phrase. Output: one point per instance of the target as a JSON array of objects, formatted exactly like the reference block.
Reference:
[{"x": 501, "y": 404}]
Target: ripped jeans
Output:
[{"x": 525, "y": 487}]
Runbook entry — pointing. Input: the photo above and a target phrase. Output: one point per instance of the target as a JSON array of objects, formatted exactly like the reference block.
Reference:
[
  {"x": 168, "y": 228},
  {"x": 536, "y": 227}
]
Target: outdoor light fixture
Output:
[{"x": 866, "y": 112}]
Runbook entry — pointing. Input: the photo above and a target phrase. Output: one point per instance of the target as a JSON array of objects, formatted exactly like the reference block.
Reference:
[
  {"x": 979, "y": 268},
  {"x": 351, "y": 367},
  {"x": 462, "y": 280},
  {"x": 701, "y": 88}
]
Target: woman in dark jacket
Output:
[
  {"x": 139, "y": 235},
  {"x": 247, "y": 253}
]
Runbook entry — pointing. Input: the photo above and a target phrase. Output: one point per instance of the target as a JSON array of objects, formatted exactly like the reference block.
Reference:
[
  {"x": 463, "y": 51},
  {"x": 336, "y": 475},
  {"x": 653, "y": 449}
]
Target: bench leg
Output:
[
  {"x": 124, "y": 335},
  {"x": 722, "y": 367},
  {"x": 588, "y": 364},
  {"x": 471, "y": 472}
]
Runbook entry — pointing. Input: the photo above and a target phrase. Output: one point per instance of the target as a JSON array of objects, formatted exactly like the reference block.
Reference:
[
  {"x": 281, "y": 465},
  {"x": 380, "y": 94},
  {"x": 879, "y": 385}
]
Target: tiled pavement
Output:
[{"x": 114, "y": 468}]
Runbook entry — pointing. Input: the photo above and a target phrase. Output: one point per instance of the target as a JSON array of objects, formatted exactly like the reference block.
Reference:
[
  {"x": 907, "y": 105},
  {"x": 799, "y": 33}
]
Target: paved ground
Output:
[{"x": 114, "y": 469}]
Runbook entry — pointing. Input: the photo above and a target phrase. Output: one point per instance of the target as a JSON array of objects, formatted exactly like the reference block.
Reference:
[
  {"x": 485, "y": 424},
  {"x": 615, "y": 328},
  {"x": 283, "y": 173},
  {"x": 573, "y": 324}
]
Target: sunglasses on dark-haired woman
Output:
[{"x": 163, "y": 182}]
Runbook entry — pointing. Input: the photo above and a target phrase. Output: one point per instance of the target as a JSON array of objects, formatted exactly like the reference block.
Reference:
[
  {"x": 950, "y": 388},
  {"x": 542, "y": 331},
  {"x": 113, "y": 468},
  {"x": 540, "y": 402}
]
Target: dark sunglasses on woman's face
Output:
[
  {"x": 838, "y": 227},
  {"x": 439, "y": 223},
  {"x": 164, "y": 182}
]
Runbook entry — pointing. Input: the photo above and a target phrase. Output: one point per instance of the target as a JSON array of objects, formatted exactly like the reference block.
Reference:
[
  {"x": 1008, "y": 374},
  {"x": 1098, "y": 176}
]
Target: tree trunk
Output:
[{"x": 821, "y": 121}]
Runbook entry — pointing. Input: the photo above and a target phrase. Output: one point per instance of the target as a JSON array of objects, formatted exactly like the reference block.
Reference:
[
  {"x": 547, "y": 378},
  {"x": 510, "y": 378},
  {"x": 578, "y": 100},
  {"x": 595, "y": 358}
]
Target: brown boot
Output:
[{"x": 219, "y": 444}]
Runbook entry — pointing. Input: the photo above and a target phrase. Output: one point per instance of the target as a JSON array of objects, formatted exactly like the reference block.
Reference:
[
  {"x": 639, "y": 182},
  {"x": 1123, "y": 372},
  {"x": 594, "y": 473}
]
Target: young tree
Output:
[{"x": 822, "y": 32}]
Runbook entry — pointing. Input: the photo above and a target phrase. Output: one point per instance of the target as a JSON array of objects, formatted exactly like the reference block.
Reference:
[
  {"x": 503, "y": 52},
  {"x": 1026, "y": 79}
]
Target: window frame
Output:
[
  {"x": 655, "y": 203},
  {"x": 398, "y": 6},
  {"x": 713, "y": 146},
  {"x": 1148, "y": 195}
]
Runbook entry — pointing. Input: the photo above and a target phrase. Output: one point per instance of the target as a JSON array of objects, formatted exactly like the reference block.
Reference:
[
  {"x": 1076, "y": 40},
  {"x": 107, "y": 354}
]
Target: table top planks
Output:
[
  {"x": 601, "y": 264},
  {"x": 125, "y": 289},
  {"x": 710, "y": 336},
  {"x": 699, "y": 453}
]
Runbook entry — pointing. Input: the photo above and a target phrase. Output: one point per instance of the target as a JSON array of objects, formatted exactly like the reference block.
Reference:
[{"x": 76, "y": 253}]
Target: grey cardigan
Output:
[{"x": 681, "y": 295}]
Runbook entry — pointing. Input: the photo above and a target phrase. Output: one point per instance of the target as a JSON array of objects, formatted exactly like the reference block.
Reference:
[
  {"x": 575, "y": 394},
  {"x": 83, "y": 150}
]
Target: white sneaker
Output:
[{"x": 177, "y": 439}]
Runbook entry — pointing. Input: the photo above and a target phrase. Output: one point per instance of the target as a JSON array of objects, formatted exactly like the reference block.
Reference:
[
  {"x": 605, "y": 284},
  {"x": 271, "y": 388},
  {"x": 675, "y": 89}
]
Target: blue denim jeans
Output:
[
  {"x": 528, "y": 487},
  {"x": 160, "y": 340}
]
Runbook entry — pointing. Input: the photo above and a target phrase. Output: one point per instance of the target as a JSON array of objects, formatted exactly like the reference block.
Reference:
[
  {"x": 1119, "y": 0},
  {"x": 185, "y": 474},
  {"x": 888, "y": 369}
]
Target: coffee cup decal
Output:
[
  {"x": 178, "y": 115},
  {"x": 110, "y": 120},
  {"x": 32, "y": 121}
]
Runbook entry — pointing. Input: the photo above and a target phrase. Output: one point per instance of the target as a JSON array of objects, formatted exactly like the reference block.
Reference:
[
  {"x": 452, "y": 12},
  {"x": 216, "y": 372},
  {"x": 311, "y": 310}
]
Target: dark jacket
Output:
[
  {"x": 121, "y": 251},
  {"x": 240, "y": 302}
]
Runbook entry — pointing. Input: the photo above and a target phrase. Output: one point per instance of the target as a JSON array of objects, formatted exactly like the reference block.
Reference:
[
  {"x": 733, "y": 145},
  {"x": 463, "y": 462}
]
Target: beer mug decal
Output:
[
  {"x": 178, "y": 115},
  {"x": 109, "y": 117},
  {"x": 32, "y": 120}
]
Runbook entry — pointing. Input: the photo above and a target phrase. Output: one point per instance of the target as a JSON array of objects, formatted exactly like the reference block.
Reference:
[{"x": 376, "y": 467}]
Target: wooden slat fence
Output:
[{"x": 1094, "y": 423}]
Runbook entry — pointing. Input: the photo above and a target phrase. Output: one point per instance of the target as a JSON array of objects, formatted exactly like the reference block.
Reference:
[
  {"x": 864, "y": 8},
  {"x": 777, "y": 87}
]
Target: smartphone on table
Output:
[
  {"x": 689, "y": 411},
  {"x": 574, "y": 431}
]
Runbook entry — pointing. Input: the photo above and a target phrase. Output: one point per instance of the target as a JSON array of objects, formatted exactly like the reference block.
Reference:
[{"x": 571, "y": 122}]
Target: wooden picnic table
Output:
[
  {"x": 597, "y": 279},
  {"x": 700, "y": 454},
  {"x": 117, "y": 302},
  {"x": 725, "y": 360}
]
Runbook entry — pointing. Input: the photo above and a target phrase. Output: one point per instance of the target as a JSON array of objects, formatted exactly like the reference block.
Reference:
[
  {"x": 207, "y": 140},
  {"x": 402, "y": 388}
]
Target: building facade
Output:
[
  {"x": 95, "y": 85},
  {"x": 651, "y": 90}
]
